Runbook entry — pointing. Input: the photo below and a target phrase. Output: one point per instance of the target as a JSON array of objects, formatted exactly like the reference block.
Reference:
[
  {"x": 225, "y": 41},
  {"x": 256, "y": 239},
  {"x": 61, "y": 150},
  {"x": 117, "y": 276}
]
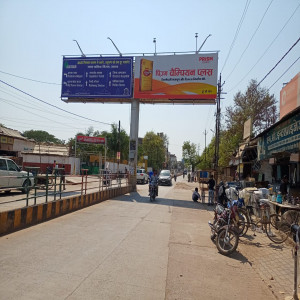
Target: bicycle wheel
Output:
[
  {"x": 280, "y": 233},
  {"x": 275, "y": 220},
  {"x": 227, "y": 241}
]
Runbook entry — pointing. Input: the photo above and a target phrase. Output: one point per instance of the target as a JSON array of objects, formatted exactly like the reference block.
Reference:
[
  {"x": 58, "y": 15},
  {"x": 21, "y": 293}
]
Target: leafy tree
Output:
[
  {"x": 42, "y": 136},
  {"x": 189, "y": 154},
  {"x": 153, "y": 147},
  {"x": 256, "y": 103}
]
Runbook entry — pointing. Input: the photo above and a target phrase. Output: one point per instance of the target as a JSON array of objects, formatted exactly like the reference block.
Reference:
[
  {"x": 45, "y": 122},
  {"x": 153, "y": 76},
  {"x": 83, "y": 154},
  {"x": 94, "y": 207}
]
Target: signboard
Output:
[
  {"x": 90, "y": 139},
  {"x": 283, "y": 138},
  {"x": 290, "y": 96},
  {"x": 97, "y": 77},
  {"x": 247, "y": 128},
  {"x": 190, "y": 76}
]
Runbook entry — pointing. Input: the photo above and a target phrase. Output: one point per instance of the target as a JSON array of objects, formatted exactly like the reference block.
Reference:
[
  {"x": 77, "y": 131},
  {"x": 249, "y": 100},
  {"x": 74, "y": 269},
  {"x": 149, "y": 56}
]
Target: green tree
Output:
[
  {"x": 41, "y": 136},
  {"x": 256, "y": 103},
  {"x": 153, "y": 147},
  {"x": 189, "y": 154}
]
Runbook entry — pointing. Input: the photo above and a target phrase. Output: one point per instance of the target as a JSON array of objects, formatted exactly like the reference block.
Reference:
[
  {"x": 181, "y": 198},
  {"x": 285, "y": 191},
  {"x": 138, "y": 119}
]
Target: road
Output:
[{"x": 127, "y": 248}]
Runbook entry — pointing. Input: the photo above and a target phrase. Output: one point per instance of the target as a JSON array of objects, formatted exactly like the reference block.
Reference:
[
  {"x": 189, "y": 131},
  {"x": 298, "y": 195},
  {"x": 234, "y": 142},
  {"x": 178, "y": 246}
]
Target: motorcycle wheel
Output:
[
  {"x": 243, "y": 223},
  {"x": 227, "y": 241}
]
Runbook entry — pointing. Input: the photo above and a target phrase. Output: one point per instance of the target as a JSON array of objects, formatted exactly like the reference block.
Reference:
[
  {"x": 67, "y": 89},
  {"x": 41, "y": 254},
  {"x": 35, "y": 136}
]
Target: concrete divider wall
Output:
[{"x": 17, "y": 219}]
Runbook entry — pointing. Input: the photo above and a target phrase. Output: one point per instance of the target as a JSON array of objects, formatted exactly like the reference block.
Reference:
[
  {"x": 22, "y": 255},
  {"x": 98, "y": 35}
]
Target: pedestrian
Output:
[
  {"x": 54, "y": 167},
  {"x": 195, "y": 195},
  {"x": 211, "y": 187},
  {"x": 189, "y": 177},
  {"x": 284, "y": 186},
  {"x": 63, "y": 177},
  {"x": 222, "y": 199}
]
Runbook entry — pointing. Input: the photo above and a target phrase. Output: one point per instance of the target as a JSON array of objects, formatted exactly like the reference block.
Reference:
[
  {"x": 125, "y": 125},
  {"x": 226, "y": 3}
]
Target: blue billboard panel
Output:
[{"x": 97, "y": 77}]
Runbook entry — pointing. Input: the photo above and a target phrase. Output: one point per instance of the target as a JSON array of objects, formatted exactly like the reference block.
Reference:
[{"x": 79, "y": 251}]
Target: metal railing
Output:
[{"x": 50, "y": 187}]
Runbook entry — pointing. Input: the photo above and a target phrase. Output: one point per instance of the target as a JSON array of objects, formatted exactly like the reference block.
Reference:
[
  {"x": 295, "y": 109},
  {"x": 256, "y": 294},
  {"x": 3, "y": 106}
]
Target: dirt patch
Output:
[{"x": 184, "y": 186}]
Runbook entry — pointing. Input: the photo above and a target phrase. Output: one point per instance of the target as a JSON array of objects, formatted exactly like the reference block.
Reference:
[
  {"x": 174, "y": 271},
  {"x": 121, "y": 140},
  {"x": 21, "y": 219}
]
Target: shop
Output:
[{"x": 278, "y": 149}]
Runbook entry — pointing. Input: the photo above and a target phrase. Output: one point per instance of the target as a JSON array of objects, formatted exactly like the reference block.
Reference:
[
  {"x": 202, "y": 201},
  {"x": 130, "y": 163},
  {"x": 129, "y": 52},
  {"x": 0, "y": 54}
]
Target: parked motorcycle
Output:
[{"x": 225, "y": 229}]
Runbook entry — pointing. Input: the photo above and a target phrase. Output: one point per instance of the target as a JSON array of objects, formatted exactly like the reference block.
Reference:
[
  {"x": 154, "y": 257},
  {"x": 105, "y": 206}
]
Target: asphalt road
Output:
[{"x": 126, "y": 248}]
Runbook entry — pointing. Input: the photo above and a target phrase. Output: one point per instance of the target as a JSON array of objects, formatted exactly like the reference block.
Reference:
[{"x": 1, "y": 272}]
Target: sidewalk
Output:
[{"x": 274, "y": 263}]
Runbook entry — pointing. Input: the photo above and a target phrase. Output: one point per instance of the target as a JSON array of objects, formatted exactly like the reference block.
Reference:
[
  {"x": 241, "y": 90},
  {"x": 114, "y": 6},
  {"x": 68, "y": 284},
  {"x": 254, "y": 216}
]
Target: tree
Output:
[
  {"x": 153, "y": 147},
  {"x": 41, "y": 136},
  {"x": 189, "y": 154},
  {"x": 255, "y": 103}
]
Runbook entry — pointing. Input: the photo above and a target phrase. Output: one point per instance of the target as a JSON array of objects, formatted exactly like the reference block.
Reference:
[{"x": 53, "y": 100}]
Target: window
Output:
[
  {"x": 3, "y": 165},
  {"x": 12, "y": 166}
]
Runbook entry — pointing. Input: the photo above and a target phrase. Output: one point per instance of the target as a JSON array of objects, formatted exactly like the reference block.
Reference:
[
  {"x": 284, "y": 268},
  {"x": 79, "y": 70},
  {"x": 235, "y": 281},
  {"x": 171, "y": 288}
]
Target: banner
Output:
[
  {"x": 97, "y": 77},
  {"x": 190, "y": 76},
  {"x": 90, "y": 139}
]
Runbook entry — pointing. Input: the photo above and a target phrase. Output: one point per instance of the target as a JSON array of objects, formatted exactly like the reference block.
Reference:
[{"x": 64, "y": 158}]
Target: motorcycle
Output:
[
  {"x": 222, "y": 228},
  {"x": 152, "y": 191}
]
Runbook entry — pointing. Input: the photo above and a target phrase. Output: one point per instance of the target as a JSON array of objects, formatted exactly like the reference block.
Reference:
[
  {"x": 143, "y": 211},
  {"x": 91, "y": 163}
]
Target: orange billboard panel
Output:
[
  {"x": 290, "y": 96},
  {"x": 190, "y": 76}
]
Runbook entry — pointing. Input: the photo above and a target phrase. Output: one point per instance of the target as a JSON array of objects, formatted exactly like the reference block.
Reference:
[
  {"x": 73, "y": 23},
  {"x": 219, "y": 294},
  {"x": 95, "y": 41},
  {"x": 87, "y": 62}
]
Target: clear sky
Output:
[{"x": 252, "y": 36}]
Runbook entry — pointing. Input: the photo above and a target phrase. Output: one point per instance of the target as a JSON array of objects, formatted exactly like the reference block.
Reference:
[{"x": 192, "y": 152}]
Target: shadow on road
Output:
[{"x": 136, "y": 197}]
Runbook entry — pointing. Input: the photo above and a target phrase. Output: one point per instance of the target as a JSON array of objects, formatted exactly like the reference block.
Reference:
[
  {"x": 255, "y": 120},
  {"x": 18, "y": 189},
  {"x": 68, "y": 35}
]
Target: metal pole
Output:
[
  {"x": 196, "y": 36},
  {"x": 295, "y": 294},
  {"x": 154, "y": 41},
  {"x": 75, "y": 152}
]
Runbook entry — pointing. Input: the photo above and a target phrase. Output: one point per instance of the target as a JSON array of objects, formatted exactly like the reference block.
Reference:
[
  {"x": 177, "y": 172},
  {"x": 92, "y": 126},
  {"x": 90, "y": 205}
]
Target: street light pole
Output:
[
  {"x": 204, "y": 42},
  {"x": 154, "y": 41},
  {"x": 196, "y": 37}
]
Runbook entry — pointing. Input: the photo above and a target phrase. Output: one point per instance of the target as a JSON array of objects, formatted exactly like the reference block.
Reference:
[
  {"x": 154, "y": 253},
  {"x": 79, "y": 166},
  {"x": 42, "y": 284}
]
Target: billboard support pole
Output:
[
  {"x": 75, "y": 153},
  {"x": 134, "y": 131}
]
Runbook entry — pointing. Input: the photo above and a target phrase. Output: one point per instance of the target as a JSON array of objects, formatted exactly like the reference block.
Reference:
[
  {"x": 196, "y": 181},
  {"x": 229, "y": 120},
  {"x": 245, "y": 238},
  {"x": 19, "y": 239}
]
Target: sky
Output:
[{"x": 251, "y": 37}]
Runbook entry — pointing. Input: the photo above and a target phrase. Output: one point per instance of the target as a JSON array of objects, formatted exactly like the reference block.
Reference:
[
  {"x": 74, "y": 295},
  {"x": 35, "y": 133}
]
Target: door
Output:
[
  {"x": 15, "y": 176},
  {"x": 3, "y": 173}
]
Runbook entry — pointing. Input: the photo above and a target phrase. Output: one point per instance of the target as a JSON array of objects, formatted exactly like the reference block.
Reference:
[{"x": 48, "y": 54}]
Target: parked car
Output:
[
  {"x": 142, "y": 176},
  {"x": 165, "y": 178},
  {"x": 12, "y": 176}
]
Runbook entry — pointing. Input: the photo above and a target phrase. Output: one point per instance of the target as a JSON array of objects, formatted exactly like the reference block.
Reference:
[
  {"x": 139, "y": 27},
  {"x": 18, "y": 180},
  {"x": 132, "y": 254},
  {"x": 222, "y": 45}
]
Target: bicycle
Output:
[{"x": 276, "y": 229}]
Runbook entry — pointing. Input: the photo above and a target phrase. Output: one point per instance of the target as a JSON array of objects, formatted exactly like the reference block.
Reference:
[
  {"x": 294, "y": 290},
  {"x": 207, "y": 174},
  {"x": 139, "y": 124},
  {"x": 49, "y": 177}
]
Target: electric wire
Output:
[
  {"x": 284, "y": 72},
  {"x": 52, "y": 104},
  {"x": 237, "y": 32},
  {"x": 266, "y": 49},
  {"x": 250, "y": 40},
  {"x": 279, "y": 61},
  {"x": 39, "y": 81}
]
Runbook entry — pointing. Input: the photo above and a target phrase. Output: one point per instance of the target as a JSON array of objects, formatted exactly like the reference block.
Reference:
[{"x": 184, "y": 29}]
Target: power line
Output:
[
  {"x": 53, "y": 105},
  {"x": 30, "y": 79},
  {"x": 279, "y": 61},
  {"x": 237, "y": 31},
  {"x": 285, "y": 72},
  {"x": 250, "y": 40},
  {"x": 266, "y": 49}
]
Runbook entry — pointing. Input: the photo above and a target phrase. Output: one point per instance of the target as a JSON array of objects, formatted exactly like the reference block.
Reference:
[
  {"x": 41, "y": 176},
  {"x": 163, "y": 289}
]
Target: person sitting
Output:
[{"x": 195, "y": 195}]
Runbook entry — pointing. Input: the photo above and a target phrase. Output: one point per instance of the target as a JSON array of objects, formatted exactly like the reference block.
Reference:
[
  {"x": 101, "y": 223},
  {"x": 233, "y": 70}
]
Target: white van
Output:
[{"x": 11, "y": 176}]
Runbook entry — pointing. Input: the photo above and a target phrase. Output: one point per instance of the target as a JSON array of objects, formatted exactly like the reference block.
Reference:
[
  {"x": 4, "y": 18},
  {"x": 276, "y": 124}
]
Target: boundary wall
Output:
[{"x": 21, "y": 218}]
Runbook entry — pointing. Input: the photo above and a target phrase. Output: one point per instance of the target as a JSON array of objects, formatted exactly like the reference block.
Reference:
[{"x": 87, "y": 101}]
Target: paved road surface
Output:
[{"x": 126, "y": 248}]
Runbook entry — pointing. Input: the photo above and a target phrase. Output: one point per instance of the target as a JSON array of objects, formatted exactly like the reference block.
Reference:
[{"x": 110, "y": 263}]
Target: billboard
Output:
[
  {"x": 90, "y": 139},
  {"x": 189, "y": 76},
  {"x": 97, "y": 77},
  {"x": 290, "y": 96}
]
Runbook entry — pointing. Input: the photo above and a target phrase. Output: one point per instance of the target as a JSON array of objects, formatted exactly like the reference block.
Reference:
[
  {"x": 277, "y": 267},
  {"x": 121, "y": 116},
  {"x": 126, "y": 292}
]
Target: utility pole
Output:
[
  {"x": 218, "y": 119},
  {"x": 205, "y": 133},
  {"x": 196, "y": 37}
]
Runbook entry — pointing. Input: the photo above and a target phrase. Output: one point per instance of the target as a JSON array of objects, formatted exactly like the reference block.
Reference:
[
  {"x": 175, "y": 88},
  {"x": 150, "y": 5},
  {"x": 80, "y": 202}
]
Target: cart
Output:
[{"x": 42, "y": 180}]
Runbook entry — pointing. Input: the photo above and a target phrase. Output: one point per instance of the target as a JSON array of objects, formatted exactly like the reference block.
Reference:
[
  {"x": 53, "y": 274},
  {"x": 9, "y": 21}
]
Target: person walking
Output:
[
  {"x": 211, "y": 187},
  {"x": 63, "y": 177}
]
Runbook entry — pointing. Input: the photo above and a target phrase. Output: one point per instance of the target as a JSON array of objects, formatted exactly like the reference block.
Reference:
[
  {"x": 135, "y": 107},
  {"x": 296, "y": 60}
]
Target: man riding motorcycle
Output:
[{"x": 154, "y": 181}]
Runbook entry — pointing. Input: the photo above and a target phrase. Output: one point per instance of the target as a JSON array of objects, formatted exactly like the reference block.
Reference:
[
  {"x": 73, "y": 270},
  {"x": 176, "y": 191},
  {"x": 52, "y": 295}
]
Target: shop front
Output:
[{"x": 278, "y": 148}]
